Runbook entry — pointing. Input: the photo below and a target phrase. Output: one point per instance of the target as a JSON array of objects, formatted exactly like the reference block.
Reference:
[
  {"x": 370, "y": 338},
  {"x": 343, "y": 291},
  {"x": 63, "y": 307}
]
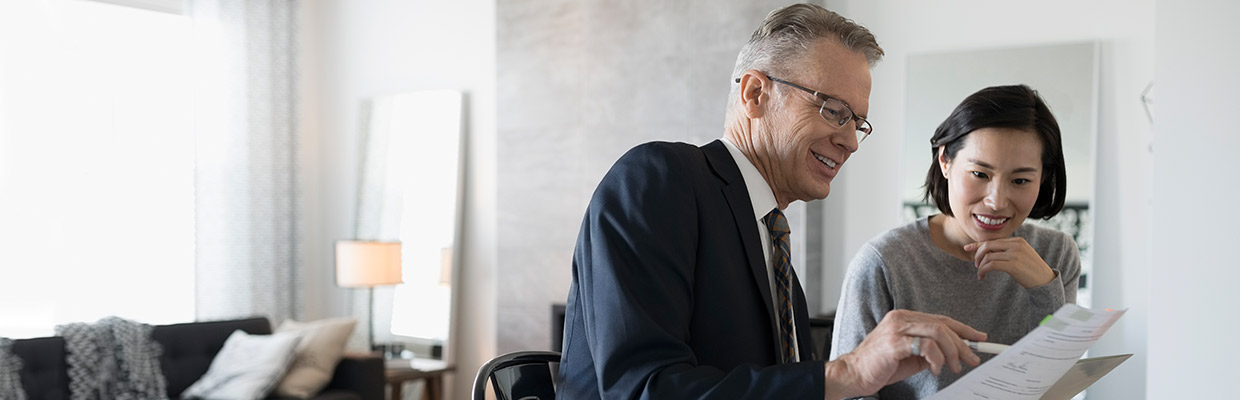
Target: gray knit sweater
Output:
[{"x": 903, "y": 269}]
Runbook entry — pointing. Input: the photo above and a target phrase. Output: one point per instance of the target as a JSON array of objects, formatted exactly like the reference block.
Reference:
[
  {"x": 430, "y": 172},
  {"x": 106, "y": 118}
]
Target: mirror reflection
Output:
[
  {"x": 410, "y": 192},
  {"x": 1064, "y": 75}
]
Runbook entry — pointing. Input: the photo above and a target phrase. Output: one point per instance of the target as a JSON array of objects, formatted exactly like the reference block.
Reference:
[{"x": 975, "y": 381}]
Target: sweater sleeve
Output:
[
  {"x": 864, "y": 300},
  {"x": 1062, "y": 255}
]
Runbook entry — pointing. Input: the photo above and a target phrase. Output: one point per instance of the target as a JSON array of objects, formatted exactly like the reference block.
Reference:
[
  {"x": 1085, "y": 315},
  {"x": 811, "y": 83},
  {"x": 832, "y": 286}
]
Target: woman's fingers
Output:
[
  {"x": 995, "y": 262},
  {"x": 990, "y": 247},
  {"x": 1013, "y": 256}
]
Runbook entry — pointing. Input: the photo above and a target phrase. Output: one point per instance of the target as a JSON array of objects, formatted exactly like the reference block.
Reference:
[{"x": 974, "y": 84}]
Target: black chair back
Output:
[
  {"x": 820, "y": 332},
  {"x": 521, "y": 375}
]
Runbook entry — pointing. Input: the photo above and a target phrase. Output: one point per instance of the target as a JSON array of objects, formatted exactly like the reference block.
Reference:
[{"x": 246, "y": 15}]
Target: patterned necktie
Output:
[{"x": 778, "y": 225}]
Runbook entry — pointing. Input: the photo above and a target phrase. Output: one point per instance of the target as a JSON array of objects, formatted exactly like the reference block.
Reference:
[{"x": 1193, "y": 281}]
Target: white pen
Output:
[{"x": 986, "y": 347}]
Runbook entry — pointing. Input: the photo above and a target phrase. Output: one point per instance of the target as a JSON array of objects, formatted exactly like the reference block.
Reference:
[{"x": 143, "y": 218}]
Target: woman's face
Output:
[{"x": 992, "y": 183}]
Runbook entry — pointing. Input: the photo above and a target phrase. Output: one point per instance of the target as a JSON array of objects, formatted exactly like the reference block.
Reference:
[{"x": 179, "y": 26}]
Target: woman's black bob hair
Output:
[{"x": 1017, "y": 107}]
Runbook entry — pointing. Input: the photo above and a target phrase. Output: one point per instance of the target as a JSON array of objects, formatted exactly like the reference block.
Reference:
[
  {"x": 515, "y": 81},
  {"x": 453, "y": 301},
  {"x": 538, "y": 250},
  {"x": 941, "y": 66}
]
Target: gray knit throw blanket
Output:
[
  {"x": 112, "y": 359},
  {"x": 10, "y": 369}
]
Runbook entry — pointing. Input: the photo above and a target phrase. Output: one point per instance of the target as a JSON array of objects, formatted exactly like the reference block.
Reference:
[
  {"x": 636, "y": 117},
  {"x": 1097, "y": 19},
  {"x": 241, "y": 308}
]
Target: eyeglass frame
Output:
[{"x": 864, "y": 127}]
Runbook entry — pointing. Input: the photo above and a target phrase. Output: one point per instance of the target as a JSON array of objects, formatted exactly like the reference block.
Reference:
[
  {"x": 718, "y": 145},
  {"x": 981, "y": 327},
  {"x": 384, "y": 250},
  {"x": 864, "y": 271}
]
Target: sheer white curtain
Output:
[
  {"x": 246, "y": 163},
  {"x": 147, "y": 162},
  {"x": 96, "y": 166}
]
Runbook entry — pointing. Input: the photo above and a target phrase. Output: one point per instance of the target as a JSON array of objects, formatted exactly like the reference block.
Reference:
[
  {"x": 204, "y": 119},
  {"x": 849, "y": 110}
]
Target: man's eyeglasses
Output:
[{"x": 833, "y": 110}]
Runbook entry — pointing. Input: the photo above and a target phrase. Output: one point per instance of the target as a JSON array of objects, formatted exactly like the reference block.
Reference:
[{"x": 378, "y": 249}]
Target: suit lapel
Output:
[{"x": 737, "y": 195}]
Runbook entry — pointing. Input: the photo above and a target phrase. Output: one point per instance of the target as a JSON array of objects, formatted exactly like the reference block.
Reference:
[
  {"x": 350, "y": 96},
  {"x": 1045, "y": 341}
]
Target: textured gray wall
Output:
[{"x": 580, "y": 82}]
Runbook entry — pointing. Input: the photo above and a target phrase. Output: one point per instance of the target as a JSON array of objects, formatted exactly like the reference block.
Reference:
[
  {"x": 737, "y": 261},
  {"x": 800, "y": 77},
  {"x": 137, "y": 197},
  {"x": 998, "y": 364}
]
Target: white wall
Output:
[
  {"x": 1193, "y": 317},
  {"x": 359, "y": 49},
  {"x": 581, "y": 82},
  {"x": 869, "y": 197}
]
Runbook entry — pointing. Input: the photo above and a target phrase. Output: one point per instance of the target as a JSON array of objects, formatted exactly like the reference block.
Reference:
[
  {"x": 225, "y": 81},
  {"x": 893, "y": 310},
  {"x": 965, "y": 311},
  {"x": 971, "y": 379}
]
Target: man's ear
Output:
[
  {"x": 944, "y": 163},
  {"x": 754, "y": 100}
]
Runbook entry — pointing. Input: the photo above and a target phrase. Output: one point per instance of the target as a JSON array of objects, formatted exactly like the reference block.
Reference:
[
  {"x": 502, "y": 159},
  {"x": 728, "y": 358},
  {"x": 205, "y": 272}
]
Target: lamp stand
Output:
[{"x": 370, "y": 319}]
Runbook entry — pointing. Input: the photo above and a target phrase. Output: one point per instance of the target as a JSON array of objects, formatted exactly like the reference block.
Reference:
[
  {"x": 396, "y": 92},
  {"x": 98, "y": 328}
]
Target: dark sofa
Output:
[{"x": 187, "y": 352}]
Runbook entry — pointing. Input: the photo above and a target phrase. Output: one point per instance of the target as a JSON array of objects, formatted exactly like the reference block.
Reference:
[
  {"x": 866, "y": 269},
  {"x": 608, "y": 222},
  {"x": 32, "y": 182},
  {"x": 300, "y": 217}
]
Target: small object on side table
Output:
[
  {"x": 390, "y": 351},
  {"x": 399, "y": 371}
]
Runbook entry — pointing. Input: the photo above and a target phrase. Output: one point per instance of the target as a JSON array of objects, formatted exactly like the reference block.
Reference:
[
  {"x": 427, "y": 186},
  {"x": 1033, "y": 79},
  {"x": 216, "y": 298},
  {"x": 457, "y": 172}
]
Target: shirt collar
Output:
[{"x": 760, "y": 194}]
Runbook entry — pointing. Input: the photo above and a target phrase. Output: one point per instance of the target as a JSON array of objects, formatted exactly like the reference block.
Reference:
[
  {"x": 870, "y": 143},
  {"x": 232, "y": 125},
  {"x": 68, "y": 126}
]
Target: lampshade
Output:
[{"x": 367, "y": 264}]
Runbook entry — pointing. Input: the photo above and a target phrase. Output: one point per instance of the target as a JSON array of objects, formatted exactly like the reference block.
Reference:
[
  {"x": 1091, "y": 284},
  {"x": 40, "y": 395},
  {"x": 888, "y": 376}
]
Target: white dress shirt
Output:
[{"x": 763, "y": 200}]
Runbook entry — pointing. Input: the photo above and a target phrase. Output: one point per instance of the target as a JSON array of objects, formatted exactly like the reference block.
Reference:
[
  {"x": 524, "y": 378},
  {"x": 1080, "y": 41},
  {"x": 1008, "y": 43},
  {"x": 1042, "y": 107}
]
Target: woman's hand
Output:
[{"x": 1011, "y": 255}]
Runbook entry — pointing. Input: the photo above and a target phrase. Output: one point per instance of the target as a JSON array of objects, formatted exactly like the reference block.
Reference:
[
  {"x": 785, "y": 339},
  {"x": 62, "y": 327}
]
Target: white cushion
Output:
[
  {"x": 322, "y": 346},
  {"x": 248, "y": 367}
]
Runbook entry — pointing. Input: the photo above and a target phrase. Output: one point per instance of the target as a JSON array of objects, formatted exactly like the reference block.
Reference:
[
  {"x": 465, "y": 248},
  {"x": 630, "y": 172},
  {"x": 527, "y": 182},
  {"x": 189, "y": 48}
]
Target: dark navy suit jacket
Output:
[{"x": 670, "y": 298}]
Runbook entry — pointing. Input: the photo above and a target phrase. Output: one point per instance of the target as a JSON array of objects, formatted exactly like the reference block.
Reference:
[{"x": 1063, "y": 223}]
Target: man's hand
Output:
[
  {"x": 886, "y": 355},
  {"x": 1015, "y": 257}
]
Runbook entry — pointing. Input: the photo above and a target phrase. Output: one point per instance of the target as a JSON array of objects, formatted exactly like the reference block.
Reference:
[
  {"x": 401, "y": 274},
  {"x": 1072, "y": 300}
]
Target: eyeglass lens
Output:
[
  {"x": 836, "y": 111},
  {"x": 832, "y": 110}
]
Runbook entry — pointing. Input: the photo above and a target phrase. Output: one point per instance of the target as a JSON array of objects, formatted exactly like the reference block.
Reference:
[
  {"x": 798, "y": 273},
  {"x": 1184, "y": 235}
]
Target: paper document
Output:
[
  {"x": 1035, "y": 363},
  {"x": 1083, "y": 374}
]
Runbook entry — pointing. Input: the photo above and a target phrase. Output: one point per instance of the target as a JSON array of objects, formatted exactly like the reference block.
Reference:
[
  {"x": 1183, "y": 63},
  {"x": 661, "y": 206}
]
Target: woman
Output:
[{"x": 997, "y": 160}]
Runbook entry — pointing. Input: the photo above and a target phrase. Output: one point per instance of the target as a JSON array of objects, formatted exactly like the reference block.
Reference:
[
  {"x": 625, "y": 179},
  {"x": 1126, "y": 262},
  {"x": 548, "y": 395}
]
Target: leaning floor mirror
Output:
[
  {"x": 411, "y": 192},
  {"x": 1065, "y": 75}
]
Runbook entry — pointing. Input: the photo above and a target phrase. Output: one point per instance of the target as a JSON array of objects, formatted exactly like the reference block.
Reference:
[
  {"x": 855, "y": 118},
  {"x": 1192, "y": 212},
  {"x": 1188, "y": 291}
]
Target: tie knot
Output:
[{"x": 776, "y": 222}]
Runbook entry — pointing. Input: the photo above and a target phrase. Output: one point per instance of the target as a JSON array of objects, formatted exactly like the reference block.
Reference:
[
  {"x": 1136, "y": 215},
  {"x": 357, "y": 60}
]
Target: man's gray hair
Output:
[{"x": 787, "y": 33}]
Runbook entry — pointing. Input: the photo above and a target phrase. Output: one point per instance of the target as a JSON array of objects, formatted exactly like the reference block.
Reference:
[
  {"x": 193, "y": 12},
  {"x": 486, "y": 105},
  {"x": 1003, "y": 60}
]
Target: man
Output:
[{"x": 681, "y": 287}]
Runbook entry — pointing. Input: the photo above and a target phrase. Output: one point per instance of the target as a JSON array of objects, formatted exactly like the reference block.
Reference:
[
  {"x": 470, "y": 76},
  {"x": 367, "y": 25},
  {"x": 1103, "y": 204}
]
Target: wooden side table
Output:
[{"x": 397, "y": 372}]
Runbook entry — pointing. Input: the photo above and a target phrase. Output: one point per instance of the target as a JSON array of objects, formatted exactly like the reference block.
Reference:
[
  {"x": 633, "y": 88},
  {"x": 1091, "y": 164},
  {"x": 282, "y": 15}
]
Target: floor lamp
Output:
[{"x": 366, "y": 264}]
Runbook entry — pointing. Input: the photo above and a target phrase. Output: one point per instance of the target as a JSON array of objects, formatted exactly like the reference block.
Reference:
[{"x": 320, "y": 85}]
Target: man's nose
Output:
[{"x": 847, "y": 138}]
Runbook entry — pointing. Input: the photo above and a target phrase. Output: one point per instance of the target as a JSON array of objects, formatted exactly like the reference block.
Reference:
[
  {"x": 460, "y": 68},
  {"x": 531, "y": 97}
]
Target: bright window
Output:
[{"x": 96, "y": 166}]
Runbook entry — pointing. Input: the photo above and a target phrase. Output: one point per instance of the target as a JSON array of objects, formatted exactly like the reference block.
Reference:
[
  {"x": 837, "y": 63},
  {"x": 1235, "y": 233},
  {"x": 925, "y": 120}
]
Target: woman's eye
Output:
[
  {"x": 978, "y": 174},
  {"x": 1021, "y": 181}
]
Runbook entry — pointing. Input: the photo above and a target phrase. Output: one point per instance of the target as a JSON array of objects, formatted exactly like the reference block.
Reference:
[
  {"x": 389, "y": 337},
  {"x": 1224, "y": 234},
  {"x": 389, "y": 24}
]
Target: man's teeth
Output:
[
  {"x": 989, "y": 221},
  {"x": 825, "y": 160}
]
